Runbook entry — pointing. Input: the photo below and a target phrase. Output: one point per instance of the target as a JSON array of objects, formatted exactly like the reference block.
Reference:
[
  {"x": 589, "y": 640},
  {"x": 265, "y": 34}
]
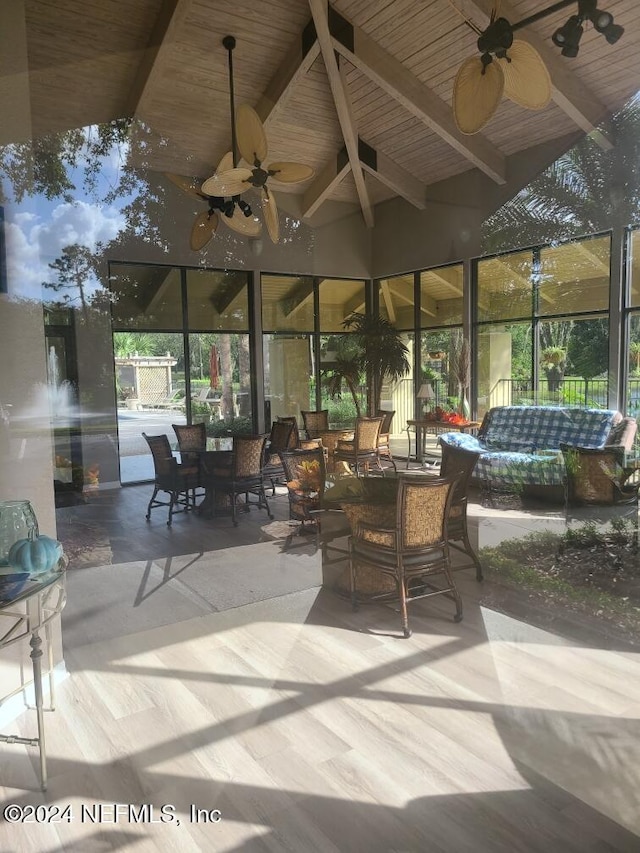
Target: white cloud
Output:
[{"x": 33, "y": 241}]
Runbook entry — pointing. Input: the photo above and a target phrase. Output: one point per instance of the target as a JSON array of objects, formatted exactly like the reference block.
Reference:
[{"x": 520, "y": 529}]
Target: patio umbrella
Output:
[{"x": 214, "y": 367}]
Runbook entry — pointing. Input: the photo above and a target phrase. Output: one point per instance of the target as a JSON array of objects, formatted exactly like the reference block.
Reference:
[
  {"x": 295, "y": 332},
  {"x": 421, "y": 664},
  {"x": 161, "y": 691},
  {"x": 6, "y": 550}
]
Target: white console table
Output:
[{"x": 22, "y": 617}]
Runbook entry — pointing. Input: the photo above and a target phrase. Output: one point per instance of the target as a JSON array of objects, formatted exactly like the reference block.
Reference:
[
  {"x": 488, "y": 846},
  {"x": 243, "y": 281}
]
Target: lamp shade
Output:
[{"x": 426, "y": 392}]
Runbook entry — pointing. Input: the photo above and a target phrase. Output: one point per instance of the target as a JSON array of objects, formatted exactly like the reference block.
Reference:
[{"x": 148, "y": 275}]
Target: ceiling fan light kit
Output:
[{"x": 513, "y": 68}]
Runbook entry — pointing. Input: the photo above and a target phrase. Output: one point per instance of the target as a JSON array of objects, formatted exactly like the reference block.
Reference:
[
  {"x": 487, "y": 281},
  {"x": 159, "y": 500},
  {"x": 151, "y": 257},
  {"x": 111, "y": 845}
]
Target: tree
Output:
[
  {"x": 346, "y": 368},
  {"x": 75, "y": 269},
  {"x": 581, "y": 193},
  {"x": 383, "y": 355},
  {"x": 588, "y": 350}
]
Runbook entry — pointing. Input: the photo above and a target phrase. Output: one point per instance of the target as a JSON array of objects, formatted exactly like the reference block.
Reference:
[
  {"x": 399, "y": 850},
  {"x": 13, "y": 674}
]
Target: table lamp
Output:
[{"x": 426, "y": 393}]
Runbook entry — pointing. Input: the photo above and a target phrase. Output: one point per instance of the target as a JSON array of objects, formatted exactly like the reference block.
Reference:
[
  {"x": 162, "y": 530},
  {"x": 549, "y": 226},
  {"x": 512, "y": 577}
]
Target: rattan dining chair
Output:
[
  {"x": 363, "y": 449},
  {"x": 305, "y": 475},
  {"x": 237, "y": 472},
  {"x": 294, "y": 439},
  {"x": 384, "y": 448},
  {"x": 178, "y": 480},
  {"x": 412, "y": 552},
  {"x": 279, "y": 441},
  {"x": 192, "y": 442},
  {"x": 315, "y": 422},
  {"x": 459, "y": 464}
]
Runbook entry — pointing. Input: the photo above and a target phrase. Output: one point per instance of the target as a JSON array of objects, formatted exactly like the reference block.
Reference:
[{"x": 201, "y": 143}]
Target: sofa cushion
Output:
[{"x": 529, "y": 428}]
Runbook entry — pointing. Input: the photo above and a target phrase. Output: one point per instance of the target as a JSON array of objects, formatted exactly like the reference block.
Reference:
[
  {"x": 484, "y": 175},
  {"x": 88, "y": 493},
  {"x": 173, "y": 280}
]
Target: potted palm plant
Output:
[{"x": 381, "y": 353}]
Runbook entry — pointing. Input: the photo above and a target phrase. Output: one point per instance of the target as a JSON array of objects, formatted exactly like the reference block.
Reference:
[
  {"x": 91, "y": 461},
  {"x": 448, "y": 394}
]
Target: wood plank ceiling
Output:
[{"x": 360, "y": 91}]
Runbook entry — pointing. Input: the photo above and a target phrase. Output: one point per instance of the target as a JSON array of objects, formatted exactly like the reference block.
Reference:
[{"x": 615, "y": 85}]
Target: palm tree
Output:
[
  {"x": 383, "y": 355},
  {"x": 578, "y": 194}
]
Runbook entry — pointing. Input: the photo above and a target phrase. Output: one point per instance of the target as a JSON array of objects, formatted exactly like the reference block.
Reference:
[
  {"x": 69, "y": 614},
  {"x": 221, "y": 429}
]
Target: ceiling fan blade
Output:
[
  {"x": 270, "y": 212},
  {"x": 231, "y": 182},
  {"x": 252, "y": 141},
  {"x": 226, "y": 164},
  {"x": 248, "y": 226},
  {"x": 476, "y": 95},
  {"x": 526, "y": 79},
  {"x": 191, "y": 186},
  {"x": 203, "y": 229},
  {"x": 290, "y": 173}
]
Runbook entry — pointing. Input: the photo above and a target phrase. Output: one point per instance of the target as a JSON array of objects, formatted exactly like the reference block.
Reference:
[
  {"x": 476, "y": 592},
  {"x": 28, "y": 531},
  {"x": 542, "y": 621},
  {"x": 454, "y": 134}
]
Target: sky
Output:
[{"x": 37, "y": 229}]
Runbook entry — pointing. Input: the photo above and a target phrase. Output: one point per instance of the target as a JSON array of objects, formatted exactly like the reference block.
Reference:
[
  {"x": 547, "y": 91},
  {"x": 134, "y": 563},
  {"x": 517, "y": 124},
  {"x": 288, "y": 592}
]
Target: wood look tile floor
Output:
[{"x": 312, "y": 728}]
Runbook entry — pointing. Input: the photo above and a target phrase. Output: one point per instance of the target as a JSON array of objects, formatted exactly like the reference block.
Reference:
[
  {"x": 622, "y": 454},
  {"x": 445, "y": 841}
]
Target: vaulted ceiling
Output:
[{"x": 361, "y": 90}]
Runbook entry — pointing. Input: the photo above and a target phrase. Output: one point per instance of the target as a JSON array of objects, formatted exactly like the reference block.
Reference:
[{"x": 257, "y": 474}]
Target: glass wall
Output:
[
  {"x": 181, "y": 346},
  {"x": 306, "y": 347},
  {"x": 632, "y": 390},
  {"x": 542, "y": 326},
  {"x": 444, "y": 358}
]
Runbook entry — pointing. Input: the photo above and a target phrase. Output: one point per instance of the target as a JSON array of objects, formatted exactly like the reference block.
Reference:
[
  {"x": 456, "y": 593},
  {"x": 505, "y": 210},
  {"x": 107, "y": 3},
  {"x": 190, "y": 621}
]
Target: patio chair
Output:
[
  {"x": 315, "y": 422},
  {"x": 279, "y": 441},
  {"x": 459, "y": 465},
  {"x": 305, "y": 478},
  {"x": 414, "y": 550},
  {"x": 384, "y": 450},
  {"x": 192, "y": 442},
  {"x": 363, "y": 449},
  {"x": 597, "y": 477},
  {"x": 294, "y": 439},
  {"x": 237, "y": 472},
  {"x": 177, "y": 479}
]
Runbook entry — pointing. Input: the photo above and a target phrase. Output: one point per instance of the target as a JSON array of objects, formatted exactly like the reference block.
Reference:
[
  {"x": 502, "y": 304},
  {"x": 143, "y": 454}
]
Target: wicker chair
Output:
[
  {"x": 363, "y": 450},
  {"x": 294, "y": 439},
  {"x": 305, "y": 474},
  {"x": 315, "y": 422},
  {"x": 384, "y": 449},
  {"x": 279, "y": 440},
  {"x": 413, "y": 551},
  {"x": 238, "y": 471},
  {"x": 192, "y": 442},
  {"x": 178, "y": 480},
  {"x": 596, "y": 477},
  {"x": 460, "y": 464}
]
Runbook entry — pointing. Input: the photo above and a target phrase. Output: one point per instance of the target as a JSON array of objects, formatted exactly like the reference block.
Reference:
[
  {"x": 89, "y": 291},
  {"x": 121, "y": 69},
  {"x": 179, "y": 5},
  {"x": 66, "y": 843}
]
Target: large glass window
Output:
[
  {"x": 217, "y": 299},
  {"x": 558, "y": 351},
  {"x": 145, "y": 297},
  {"x": 338, "y": 298},
  {"x": 287, "y": 303}
]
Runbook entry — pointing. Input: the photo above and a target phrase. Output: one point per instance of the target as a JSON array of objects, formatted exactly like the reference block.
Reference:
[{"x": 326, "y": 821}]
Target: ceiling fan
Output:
[
  {"x": 505, "y": 66},
  {"x": 234, "y": 211},
  {"x": 250, "y": 139}
]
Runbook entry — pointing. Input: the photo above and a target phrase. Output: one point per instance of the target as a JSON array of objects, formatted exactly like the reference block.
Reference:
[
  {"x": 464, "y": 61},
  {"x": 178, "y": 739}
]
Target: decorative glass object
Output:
[{"x": 17, "y": 521}]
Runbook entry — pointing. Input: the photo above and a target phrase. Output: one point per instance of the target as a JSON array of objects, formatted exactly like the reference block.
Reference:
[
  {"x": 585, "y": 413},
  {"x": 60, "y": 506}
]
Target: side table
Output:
[
  {"x": 22, "y": 616},
  {"x": 422, "y": 427}
]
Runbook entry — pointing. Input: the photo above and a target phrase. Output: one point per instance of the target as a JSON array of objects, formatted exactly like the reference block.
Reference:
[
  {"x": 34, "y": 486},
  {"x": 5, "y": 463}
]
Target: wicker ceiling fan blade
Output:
[
  {"x": 270, "y": 212},
  {"x": 191, "y": 186},
  {"x": 526, "y": 78},
  {"x": 290, "y": 173},
  {"x": 224, "y": 184},
  {"x": 248, "y": 226},
  {"x": 203, "y": 229},
  {"x": 226, "y": 164},
  {"x": 252, "y": 141},
  {"x": 476, "y": 95}
]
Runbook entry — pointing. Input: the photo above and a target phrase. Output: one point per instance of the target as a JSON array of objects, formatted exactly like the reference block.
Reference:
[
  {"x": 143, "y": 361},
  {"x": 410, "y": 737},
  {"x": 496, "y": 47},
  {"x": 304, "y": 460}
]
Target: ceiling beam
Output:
[
  {"x": 326, "y": 181},
  {"x": 454, "y": 287},
  {"x": 395, "y": 79},
  {"x": 298, "y": 296},
  {"x": 427, "y": 303},
  {"x": 337, "y": 82},
  {"x": 230, "y": 288},
  {"x": 388, "y": 301},
  {"x": 391, "y": 175},
  {"x": 295, "y": 66},
  {"x": 569, "y": 93},
  {"x": 169, "y": 21}
]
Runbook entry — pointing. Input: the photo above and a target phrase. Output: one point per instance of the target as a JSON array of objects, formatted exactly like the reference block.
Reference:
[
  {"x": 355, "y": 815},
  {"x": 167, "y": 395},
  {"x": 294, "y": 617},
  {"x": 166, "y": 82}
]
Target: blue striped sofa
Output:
[{"x": 519, "y": 446}]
